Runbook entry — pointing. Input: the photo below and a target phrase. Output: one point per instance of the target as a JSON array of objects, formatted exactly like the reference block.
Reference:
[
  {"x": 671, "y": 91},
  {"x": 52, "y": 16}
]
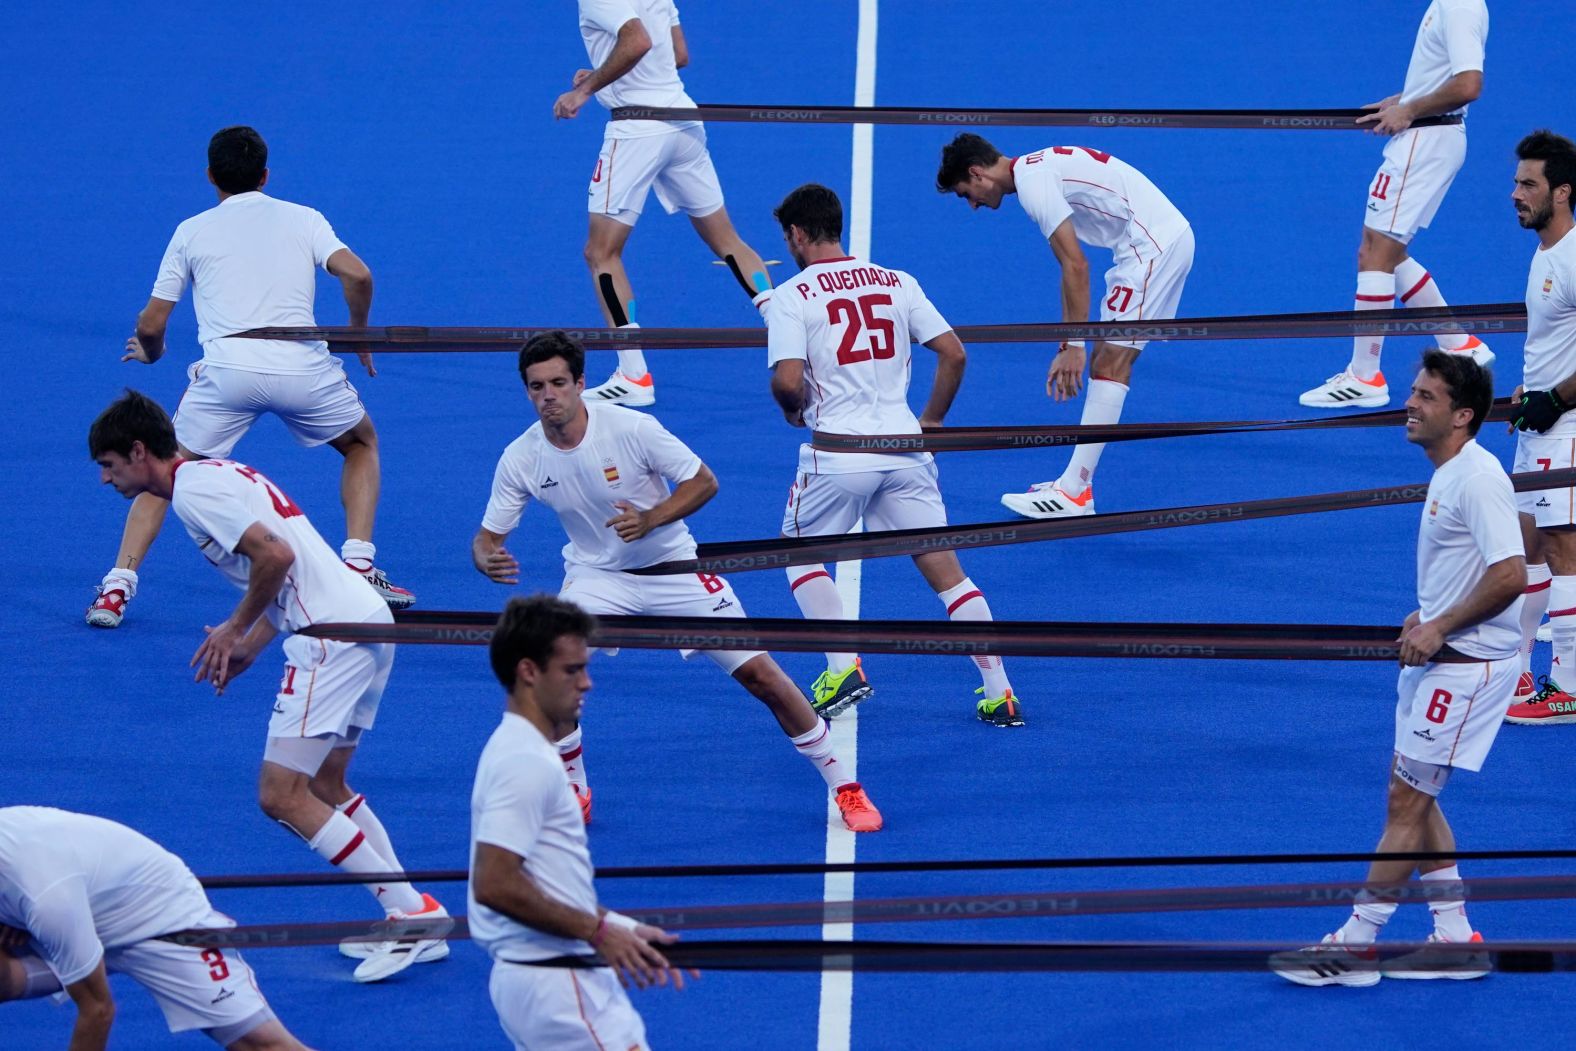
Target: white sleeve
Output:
[
  {"x": 514, "y": 807},
  {"x": 1488, "y": 508},
  {"x": 174, "y": 270},
  {"x": 664, "y": 453},
  {"x": 607, "y": 15},
  {"x": 324, "y": 241},
  {"x": 1466, "y": 34},
  {"x": 1041, "y": 196},
  {"x": 673, "y": 15},
  {"x": 925, "y": 322},
  {"x": 510, "y": 492},
  {"x": 214, "y": 504},
  {"x": 61, "y": 923},
  {"x": 786, "y": 336}
]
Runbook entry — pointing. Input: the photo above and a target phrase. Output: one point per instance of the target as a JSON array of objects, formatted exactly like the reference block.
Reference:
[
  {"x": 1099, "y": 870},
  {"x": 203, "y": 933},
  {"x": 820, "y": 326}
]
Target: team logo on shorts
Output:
[{"x": 610, "y": 472}]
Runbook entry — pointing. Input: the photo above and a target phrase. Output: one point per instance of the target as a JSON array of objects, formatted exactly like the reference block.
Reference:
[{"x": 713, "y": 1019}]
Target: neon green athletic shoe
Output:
[
  {"x": 831, "y": 695},
  {"x": 1000, "y": 711}
]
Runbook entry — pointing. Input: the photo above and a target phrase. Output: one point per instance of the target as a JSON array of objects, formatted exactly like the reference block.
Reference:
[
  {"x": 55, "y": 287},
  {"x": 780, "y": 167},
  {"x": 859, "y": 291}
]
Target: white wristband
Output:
[
  {"x": 1073, "y": 343},
  {"x": 618, "y": 919}
]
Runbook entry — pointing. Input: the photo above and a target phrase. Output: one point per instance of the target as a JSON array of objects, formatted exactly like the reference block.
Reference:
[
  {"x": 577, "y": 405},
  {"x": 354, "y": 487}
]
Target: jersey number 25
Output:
[{"x": 860, "y": 316}]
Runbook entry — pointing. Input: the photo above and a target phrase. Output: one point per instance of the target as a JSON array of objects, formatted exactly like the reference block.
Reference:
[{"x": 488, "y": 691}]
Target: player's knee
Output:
[{"x": 599, "y": 256}]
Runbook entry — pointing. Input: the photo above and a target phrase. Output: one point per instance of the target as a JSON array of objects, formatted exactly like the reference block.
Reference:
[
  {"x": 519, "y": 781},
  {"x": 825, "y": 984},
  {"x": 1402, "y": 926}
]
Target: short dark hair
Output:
[
  {"x": 1558, "y": 155},
  {"x": 814, "y": 209},
  {"x": 528, "y": 628},
  {"x": 545, "y": 346},
  {"x": 958, "y": 156},
  {"x": 1471, "y": 386},
  {"x": 237, "y": 159},
  {"x": 133, "y": 417}
]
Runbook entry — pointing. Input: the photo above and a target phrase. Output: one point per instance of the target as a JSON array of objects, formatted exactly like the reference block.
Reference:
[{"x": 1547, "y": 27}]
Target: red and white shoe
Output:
[
  {"x": 1479, "y": 351},
  {"x": 396, "y": 597},
  {"x": 621, "y": 390},
  {"x": 1049, "y": 500},
  {"x": 109, "y": 608},
  {"x": 1550, "y": 706}
]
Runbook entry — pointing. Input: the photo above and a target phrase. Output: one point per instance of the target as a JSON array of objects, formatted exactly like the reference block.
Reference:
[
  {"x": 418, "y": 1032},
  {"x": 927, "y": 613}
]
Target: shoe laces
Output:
[
  {"x": 1547, "y": 688},
  {"x": 853, "y": 799}
]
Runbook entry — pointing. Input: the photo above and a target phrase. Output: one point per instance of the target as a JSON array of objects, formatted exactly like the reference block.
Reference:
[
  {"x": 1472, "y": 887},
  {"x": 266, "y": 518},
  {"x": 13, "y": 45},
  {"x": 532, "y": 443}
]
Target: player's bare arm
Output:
[
  {"x": 490, "y": 558},
  {"x": 1497, "y": 589},
  {"x": 951, "y": 359},
  {"x": 499, "y": 881},
  {"x": 147, "y": 343},
  {"x": 632, "y": 44},
  {"x": 687, "y": 497},
  {"x": 1391, "y": 116},
  {"x": 271, "y": 558},
  {"x": 355, "y": 278},
  {"x": 95, "y": 1011},
  {"x": 788, "y": 389},
  {"x": 680, "y": 48},
  {"x": 1065, "y": 378}
]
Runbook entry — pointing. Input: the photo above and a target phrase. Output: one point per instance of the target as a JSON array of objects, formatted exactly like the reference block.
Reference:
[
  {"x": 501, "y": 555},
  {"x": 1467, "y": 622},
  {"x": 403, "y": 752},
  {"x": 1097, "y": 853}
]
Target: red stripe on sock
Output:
[
  {"x": 355, "y": 804},
  {"x": 350, "y": 848},
  {"x": 1537, "y": 587},
  {"x": 1561, "y": 612},
  {"x": 570, "y": 757},
  {"x": 1415, "y": 289},
  {"x": 1375, "y": 299},
  {"x": 809, "y": 577},
  {"x": 971, "y": 595},
  {"x": 825, "y": 729}
]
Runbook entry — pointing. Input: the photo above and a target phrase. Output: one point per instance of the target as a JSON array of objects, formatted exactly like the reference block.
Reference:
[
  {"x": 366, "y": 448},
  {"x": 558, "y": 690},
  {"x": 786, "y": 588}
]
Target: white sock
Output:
[
  {"x": 632, "y": 363},
  {"x": 1450, "y": 917},
  {"x": 1562, "y": 619},
  {"x": 340, "y": 843},
  {"x": 1102, "y": 404},
  {"x": 1375, "y": 291},
  {"x": 124, "y": 579},
  {"x": 967, "y": 602},
  {"x": 360, "y": 554},
  {"x": 1366, "y": 919},
  {"x": 572, "y": 754},
  {"x": 1416, "y": 288},
  {"x": 816, "y": 746},
  {"x": 816, "y": 593},
  {"x": 1534, "y": 603},
  {"x": 357, "y": 809}
]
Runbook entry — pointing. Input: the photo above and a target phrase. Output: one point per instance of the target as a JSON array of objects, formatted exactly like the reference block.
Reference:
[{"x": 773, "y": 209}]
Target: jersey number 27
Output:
[{"x": 860, "y": 316}]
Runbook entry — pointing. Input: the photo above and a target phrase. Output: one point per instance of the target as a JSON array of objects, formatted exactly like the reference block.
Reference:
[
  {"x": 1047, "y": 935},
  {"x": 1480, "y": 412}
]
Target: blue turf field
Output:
[{"x": 424, "y": 133}]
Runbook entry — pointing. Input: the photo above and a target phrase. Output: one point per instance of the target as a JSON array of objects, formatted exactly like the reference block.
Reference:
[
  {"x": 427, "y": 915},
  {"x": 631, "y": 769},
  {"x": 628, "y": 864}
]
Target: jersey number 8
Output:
[{"x": 861, "y": 316}]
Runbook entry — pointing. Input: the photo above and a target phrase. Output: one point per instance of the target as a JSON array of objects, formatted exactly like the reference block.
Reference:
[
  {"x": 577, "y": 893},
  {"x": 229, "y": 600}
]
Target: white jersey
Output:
[
  {"x": 1551, "y": 323},
  {"x": 1111, "y": 203},
  {"x": 219, "y": 500},
  {"x": 654, "y": 81},
  {"x": 1469, "y": 523},
  {"x": 251, "y": 261},
  {"x": 81, "y": 884},
  {"x": 625, "y": 456},
  {"x": 1450, "y": 41},
  {"x": 521, "y": 801},
  {"x": 851, "y": 323}
]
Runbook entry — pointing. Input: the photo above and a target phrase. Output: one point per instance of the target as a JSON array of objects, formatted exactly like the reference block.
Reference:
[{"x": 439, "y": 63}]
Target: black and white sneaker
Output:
[
  {"x": 1345, "y": 391},
  {"x": 1331, "y": 962}
]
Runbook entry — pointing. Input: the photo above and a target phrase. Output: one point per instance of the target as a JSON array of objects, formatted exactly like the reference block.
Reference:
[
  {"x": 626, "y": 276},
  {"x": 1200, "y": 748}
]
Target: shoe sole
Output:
[
  {"x": 1044, "y": 515},
  {"x": 431, "y": 954},
  {"x": 1428, "y": 976},
  {"x": 398, "y": 602},
  {"x": 1355, "y": 403},
  {"x": 988, "y": 721},
  {"x": 1367, "y": 981},
  {"x": 842, "y": 704},
  {"x": 405, "y": 964},
  {"x": 1543, "y": 720},
  {"x": 97, "y": 621}
]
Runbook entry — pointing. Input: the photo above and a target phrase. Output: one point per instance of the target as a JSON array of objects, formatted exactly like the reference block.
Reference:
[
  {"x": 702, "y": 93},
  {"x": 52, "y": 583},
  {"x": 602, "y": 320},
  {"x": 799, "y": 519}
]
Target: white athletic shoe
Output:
[
  {"x": 1479, "y": 351},
  {"x": 423, "y": 928},
  {"x": 1331, "y": 962},
  {"x": 1545, "y": 631},
  {"x": 1345, "y": 391},
  {"x": 1049, "y": 500},
  {"x": 1426, "y": 963},
  {"x": 358, "y": 950},
  {"x": 621, "y": 390}
]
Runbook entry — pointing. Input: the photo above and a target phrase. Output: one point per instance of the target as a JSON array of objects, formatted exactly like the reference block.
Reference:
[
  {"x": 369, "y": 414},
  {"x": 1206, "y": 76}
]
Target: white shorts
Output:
[
  {"x": 1149, "y": 290},
  {"x": 221, "y": 404},
  {"x": 827, "y": 504},
  {"x": 678, "y": 595},
  {"x": 1418, "y": 167},
  {"x": 559, "y": 1009},
  {"x": 196, "y": 988},
  {"x": 330, "y": 686},
  {"x": 1449, "y": 714},
  {"x": 675, "y": 163},
  {"x": 1540, "y": 452}
]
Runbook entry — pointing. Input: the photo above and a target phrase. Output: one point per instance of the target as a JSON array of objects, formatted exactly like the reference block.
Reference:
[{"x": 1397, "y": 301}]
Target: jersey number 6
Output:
[{"x": 883, "y": 334}]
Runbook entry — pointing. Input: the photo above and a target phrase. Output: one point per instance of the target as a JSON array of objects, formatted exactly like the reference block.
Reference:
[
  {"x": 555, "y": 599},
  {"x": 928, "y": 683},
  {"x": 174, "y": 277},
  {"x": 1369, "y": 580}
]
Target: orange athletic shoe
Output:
[
  {"x": 859, "y": 814},
  {"x": 583, "y": 797}
]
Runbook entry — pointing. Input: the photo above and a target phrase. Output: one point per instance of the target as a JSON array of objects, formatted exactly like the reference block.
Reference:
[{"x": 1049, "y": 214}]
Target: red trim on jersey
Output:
[
  {"x": 580, "y": 1006},
  {"x": 350, "y": 848},
  {"x": 809, "y": 577},
  {"x": 607, "y": 198},
  {"x": 976, "y": 593},
  {"x": 1402, "y": 188},
  {"x": 1533, "y": 588},
  {"x": 839, "y": 259},
  {"x": 1415, "y": 289}
]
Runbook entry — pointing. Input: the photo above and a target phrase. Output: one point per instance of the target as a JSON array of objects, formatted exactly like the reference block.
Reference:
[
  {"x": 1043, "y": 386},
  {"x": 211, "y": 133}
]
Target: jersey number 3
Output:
[{"x": 860, "y": 316}]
